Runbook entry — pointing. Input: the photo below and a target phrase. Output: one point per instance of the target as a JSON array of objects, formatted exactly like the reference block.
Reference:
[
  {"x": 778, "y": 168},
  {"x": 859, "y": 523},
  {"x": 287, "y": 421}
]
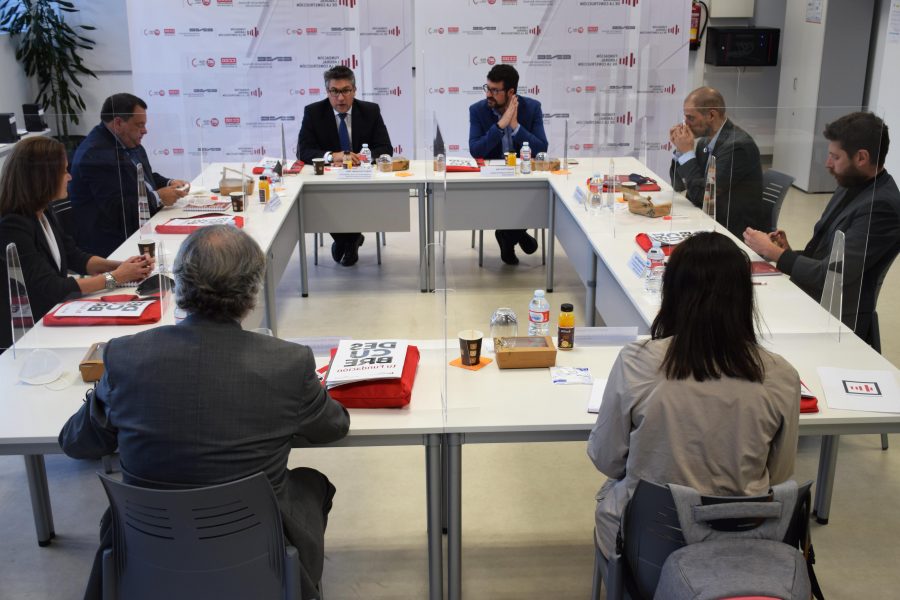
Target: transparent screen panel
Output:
[
  {"x": 833, "y": 287},
  {"x": 21, "y": 317}
]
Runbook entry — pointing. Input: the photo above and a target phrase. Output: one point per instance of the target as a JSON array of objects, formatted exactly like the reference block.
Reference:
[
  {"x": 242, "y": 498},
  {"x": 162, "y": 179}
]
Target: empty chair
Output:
[
  {"x": 223, "y": 541},
  {"x": 775, "y": 188}
]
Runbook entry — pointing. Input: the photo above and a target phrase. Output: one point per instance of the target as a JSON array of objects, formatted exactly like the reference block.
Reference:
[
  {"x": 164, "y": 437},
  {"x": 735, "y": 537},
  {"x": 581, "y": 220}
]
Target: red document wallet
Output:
[
  {"x": 643, "y": 240},
  {"x": 152, "y": 314},
  {"x": 186, "y": 229},
  {"x": 380, "y": 393}
]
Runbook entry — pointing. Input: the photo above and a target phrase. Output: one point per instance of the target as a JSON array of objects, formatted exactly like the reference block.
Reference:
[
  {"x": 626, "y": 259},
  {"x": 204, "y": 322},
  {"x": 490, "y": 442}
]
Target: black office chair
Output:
[
  {"x": 775, "y": 188},
  {"x": 650, "y": 532},
  {"x": 223, "y": 541}
]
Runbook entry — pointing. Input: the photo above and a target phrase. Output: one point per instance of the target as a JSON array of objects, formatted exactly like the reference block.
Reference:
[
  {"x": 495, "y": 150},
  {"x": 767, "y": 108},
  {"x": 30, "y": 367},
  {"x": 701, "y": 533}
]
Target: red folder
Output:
[
  {"x": 186, "y": 229},
  {"x": 761, "y": 267},
  {"x": 461, "y": 169},
  {"x": 380, "y": 393},
  {"x": 643, "y": 240},
  {"x": 151, "y": 314}
]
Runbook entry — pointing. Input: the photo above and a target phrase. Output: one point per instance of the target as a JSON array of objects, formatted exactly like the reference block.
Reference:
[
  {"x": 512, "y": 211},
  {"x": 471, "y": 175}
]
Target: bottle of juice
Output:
[
  {"x": 264, "y": 190},
  {"x": 565, "y": 336}
]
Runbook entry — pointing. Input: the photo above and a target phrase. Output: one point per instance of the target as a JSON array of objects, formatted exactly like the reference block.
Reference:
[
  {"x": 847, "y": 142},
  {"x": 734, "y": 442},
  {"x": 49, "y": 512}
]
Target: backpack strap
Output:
[{"x": 694, "y": 517}]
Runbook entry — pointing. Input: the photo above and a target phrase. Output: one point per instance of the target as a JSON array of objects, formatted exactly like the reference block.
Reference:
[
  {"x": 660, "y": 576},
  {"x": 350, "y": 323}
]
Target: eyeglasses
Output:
[
  {"x": 344, "y": 92},
  {"x": 492, "y": 91}
]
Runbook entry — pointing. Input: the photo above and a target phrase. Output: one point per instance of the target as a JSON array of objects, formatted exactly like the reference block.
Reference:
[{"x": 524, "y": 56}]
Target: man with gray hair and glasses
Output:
[
  {"x": 340, "y": 125},
  {"x": 204, "y": 402}
]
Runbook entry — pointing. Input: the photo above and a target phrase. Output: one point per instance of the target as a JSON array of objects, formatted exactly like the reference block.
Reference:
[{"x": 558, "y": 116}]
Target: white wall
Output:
[
  {"x": 751, "y": 93},
  {"x": 884, "y": 87},
  {"x": 16, "y": 89}
]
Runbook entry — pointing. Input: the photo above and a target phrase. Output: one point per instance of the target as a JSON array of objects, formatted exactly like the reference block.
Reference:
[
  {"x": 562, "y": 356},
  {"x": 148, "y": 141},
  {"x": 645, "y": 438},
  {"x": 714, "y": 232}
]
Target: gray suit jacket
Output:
[
  {"x": 739, "y": 202},
  {"x": 203, "y": 403}
]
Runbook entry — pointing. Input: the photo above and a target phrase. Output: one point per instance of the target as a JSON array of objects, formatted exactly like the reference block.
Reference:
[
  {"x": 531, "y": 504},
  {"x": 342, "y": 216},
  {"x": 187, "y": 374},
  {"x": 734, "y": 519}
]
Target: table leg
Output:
[
  {"x": 423, "y": 240},
  {"x": 269, "y": 286},
  {"x": 445, "y": 483},
  {"x": 304, "y": 276},
  {"x": 433, "y": 495},
  {"x": 590, "y": 297},
  {"x": 36, "y": 471},
  {"x": 551, "y": 237},
  {"x": 454, "y": 516},
  {"x": 825, "y": 480},
  {"x": 429, "y": 213}
]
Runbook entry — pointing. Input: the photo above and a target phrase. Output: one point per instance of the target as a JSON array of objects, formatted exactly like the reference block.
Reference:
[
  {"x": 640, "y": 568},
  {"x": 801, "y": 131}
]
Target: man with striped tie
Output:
[
  {"x": 339, "y": 126},
  {"x": 104, "y": 186}
]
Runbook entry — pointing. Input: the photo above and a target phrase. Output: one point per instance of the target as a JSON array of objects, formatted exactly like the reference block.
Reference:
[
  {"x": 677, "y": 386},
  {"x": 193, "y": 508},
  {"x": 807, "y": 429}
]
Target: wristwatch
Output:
[{"x": 111, "y": 282}]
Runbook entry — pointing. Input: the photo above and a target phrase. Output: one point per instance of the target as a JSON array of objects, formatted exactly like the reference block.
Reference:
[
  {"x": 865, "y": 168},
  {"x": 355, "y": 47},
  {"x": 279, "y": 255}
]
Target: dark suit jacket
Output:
[
  {"x": 486, "y": 139},
  {"x": 104, "y": 192},
  {"x": 739, "y": 201},
  {"x": 46, "y": 284},
  {"x": 203, "y": 403},
  {"x": 319, "y": 132},
  {"x": 870, "y": 221}
]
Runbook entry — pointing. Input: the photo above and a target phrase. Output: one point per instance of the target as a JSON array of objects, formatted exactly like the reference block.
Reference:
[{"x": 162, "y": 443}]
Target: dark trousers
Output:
[
  {"x": 511, "y": 237},
  {"x": 345, "y": 239}
]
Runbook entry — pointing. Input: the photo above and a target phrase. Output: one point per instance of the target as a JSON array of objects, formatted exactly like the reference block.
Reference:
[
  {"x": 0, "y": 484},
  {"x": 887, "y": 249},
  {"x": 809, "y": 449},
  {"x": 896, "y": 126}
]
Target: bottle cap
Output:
[
  {"x": 566, "y": 307},
  {"x": 538, "y": 292}
]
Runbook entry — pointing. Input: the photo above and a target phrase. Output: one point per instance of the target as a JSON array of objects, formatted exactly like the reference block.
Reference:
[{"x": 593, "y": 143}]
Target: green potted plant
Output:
[{"x": 49, "y": 50}]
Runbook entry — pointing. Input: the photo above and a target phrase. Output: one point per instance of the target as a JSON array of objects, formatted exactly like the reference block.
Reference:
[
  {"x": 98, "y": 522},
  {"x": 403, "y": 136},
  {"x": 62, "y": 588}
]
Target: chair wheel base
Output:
[{"x": 821, "y": 521}]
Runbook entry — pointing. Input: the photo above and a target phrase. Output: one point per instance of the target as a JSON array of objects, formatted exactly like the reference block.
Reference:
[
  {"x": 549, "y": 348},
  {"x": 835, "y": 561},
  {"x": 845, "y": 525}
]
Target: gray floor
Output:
[{"x": 528, "y": 508}]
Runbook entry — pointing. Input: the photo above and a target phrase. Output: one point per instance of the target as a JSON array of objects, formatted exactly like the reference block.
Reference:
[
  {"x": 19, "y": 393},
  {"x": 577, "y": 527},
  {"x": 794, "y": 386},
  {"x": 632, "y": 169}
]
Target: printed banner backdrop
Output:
[
  {"x": 222, "y": 76},
  {"x": 614, "y": 70}
]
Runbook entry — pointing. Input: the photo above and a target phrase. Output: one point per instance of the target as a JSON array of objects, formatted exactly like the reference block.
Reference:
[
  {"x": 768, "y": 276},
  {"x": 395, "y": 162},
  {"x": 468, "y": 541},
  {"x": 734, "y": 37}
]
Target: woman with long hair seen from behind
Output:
[
  {"x": 35, "y": 175},
  {"x": 700, "y": 403}
]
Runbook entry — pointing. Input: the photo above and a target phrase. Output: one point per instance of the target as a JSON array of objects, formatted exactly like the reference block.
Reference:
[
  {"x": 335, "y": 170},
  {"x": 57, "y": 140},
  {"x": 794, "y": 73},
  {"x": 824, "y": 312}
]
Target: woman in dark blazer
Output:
[{"x": 33, "y": 176}]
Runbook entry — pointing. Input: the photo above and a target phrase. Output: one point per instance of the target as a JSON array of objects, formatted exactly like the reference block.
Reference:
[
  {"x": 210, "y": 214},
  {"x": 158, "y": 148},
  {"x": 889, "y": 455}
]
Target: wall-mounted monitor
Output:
[{"x": 742, "y": 46}]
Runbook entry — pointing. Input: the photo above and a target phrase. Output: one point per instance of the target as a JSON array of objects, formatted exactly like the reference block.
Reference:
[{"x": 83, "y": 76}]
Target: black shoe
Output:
[
  {"x": 528, "y": 243},
  {"x": 351, "y": 252},
  {"x": 337, "y": 252},
  {"x": 507, "y": 250}
]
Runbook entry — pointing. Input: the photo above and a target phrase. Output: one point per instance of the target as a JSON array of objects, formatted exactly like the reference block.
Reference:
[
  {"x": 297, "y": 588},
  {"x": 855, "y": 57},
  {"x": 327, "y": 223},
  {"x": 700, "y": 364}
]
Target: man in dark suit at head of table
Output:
[{"x": 339, "y": 126}]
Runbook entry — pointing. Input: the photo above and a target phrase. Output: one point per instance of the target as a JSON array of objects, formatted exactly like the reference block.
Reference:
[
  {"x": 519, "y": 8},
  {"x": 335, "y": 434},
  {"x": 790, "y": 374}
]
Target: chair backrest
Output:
[
  {"x": 775, "y": 188},
  {"x": 651, "y": 531},
  {"x": 21, "y": 319},
  {"x": 223, "y": 541}
]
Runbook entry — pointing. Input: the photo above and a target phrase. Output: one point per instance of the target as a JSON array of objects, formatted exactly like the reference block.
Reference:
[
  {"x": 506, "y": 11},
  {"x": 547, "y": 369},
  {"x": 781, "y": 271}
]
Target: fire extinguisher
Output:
[{"x": 696, "y": 30}]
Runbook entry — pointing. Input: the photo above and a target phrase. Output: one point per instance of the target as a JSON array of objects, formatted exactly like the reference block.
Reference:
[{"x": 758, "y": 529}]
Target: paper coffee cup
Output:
[
  {"x": 470, "y": 346},
  {"x": 147, "y": 247}
]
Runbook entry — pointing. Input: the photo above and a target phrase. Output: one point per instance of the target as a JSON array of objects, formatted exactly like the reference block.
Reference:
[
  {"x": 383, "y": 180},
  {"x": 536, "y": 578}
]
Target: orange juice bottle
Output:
[{"x": 565, "y": 336}]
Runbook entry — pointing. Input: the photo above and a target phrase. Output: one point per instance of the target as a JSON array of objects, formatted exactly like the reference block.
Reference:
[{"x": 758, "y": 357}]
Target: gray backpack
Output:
[{"x": 753, "y": 561}]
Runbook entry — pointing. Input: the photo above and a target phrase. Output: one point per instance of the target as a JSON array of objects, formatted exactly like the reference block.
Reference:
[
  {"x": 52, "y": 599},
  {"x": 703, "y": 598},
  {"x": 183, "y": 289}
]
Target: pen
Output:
[{"x": 759, "y": 283}]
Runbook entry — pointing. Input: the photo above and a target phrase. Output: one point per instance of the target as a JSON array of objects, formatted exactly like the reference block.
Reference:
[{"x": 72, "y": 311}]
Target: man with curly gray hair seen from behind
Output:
[{"x": 204, "y": 402}]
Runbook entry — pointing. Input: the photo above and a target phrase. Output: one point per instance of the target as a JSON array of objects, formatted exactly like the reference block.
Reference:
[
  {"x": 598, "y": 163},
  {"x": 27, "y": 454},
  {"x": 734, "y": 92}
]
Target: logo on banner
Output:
[
  {"x": 297, "y": 92},
  {"x": 197, "y": 2},
  {"x": 398, "y": 149},
  {"x": 384, "y": 91},
  {"x": 431, "y": 30},
  {"x": 241, "y": 32},
  {"x": 154, "y": 32},
  {"x": 314, "y": 91},
  {"x": 202, "y": 63},
  {"x": 523, "y": 30},
  {"x": 211, "y": 122},
  {"x": 349, "y": 3},
  {"x": 509, "y": 59},
  {"x": 610, "y": 60},
  {"x": 383, "y": 31},
  {"x": 534, "y": 90},
  {"x": 547, "y": 60},
  {"x": 160, "y": 151},
  {"x": 625, "y": 119},
  {"x": 200, "y": 92},
  {"x": 351, "y": 61},
  {"x": 480, "y": 29},
  {"x": 659, "y": 89},
  {"x": 656, "y": 146},
  {"x": 631, "y": 3},
  {"x": 662, "y": 30},
  {"x": 558, "y": 116},
  {"x": 232, "y": 121},
  {"x": 228, "y": 61},
  {"x": 241, "y": 92},
  {"x": 608, "y": 118},
  {"x": 169, "y": 31},
  {"x": 267, "y": 62},
  {"x": 327, "y": 4},
  {"x": 156, "y": 92},
  {"x": 619, "y": 29},
  {"x": 483, "y": 60},
  {"x": 453, "y": 147}
]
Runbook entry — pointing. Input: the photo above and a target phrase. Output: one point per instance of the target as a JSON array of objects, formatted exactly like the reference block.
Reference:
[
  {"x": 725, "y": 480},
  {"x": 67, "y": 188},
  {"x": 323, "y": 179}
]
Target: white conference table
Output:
[
  {"x": 31, "y": 417},
  {"x": 339, "y": 201},
  {"x": 501, "y": 406}
]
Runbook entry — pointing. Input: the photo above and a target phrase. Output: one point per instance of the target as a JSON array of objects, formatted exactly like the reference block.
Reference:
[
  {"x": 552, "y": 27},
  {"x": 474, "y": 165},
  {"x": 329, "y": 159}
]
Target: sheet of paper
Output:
[
  {"x": 104, "y": 309},
  {"x": 850, "y": 389},
  {"x": 202, "y": 221},
  {"x": 491, "y": 171},
  {"x": 893, "y": 32},
  {"x": 596, "y": 395}
]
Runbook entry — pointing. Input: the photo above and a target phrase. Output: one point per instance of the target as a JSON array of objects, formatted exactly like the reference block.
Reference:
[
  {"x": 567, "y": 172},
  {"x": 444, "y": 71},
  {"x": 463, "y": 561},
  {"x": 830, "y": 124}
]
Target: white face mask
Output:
[{"x": 41, "y": 367}]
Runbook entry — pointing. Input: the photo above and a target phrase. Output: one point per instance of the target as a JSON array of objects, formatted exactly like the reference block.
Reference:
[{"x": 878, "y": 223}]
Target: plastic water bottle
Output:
[
  {"x": 525, "y": 155},
  {"x": 656, "y": 266},
  {"x": 365, "y": 155},
  {"x": 539, "y": 315}
]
